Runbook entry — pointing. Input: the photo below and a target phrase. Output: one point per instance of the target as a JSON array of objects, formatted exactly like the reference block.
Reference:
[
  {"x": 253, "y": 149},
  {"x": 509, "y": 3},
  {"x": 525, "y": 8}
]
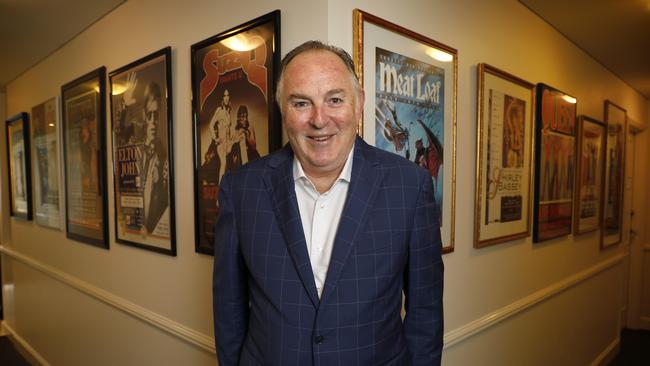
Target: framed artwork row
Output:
[
  {"x": 575, "y": 180},
  {"x": 410, "y": 82},
  {"x": 578, "y": 167}
]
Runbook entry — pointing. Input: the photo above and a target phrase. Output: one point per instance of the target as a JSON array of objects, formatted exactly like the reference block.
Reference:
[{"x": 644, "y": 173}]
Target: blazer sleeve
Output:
[
  {"x": 423, "y": 323},
  {"x": 229, "y": 283}
]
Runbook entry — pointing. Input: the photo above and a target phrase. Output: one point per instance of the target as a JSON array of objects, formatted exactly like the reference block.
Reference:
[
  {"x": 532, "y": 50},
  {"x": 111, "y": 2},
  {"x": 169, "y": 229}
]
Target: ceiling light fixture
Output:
[
  {"x": 243, "y": 42},
  {"x": 440, "y": 55},
  {"x": 569, "y": 99}
]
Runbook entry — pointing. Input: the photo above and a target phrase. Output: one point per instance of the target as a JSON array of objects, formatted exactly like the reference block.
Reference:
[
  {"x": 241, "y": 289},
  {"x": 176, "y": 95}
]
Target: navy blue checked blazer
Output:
[{"x": 266, "y": 307}]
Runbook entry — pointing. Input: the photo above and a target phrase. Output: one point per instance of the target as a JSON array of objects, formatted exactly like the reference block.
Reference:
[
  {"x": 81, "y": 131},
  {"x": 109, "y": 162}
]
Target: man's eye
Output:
[
  {"x": 299, "y": 104},
  {"x": 336, "y": 100}
]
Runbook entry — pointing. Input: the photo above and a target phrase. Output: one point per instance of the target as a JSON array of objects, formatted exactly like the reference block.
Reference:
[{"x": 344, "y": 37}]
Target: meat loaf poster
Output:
[
  {"x": 555, "y": 161},
  {"x": 410, "y": 114},
  {"x": 234, "y": 111},
  {"x": 413, "y": 117}
]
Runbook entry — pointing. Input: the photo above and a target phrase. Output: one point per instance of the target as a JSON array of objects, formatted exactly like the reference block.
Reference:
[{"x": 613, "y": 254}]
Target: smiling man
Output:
[{"x": 316, "y": 244}]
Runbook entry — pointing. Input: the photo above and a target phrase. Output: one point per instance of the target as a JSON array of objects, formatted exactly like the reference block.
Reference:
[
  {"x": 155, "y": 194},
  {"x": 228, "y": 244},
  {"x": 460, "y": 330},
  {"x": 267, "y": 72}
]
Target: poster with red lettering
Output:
[
  {"x": 555, "y": 163},
  {"x": 234, "y": 111}
]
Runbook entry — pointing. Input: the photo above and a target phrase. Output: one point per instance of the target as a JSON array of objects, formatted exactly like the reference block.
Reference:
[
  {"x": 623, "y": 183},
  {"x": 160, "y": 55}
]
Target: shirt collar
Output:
[{"x": 346, "y": 173}]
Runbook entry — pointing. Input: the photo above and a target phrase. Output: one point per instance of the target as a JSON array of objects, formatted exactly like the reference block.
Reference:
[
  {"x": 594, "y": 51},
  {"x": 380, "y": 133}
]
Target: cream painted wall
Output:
[{"x": 66, "y": 327}]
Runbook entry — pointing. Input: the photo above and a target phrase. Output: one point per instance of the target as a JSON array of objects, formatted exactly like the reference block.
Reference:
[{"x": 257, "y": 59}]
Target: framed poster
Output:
[
  {"x": 410, "y": 83},
  {"x": 590, "y": 175},
  {"x": 235, "y": 116},
  {"x": 45, "y": 163},
  {"x": 20, "y": 185},
  {"x": 84, "y": 158},
  {"x": 616, "y": 120},
  {"x": 555, "y": 163},
  {"x": 141, "y": 112},
  {"x": 504, "y": 147}
]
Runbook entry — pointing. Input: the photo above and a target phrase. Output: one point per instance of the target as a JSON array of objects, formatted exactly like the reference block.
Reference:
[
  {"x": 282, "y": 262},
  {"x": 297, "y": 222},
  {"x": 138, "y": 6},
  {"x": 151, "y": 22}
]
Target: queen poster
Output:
[
  {"x": 409, "y": 113},
  {"x": 233, "y": 86},
  {"x": 555, "y": 158}
]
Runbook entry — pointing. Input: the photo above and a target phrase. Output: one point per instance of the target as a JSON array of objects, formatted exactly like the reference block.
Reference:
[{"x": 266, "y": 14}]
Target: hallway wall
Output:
[{"x": 557, "y": 303}]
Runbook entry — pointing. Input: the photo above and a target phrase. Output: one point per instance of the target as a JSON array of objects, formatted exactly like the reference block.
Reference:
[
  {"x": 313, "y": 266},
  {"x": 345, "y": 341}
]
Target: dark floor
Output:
[
  {"x": 635, "y": 348},
  {"x": 8, "y": 354}
]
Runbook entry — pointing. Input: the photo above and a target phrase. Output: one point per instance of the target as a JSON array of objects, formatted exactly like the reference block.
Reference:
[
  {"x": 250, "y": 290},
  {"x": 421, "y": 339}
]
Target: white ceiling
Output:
[
  {"x": 31, "y": 30},
  {"x": 614, "y": 32}
]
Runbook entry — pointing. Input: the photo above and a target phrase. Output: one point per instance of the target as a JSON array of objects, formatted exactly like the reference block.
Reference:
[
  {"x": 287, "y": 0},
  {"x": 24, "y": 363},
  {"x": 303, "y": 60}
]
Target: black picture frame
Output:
[
  {"x": 613, "y": 213},
  {"x": 222, "y": 79},
  {"x": 555, "y": 149},
  {"x": 19, "y": 166},
  {"x": 83, "y": 106},
  {"x": 143, "y": 174}
]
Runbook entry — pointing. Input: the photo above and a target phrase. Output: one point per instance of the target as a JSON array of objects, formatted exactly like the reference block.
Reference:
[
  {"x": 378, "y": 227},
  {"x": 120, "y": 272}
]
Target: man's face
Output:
[
  {"x": 151, "y": 117},
  {"x": 320, "y": 110},
  {"x": 226, "y": 98},
  {"x": 242, "y": 117}
]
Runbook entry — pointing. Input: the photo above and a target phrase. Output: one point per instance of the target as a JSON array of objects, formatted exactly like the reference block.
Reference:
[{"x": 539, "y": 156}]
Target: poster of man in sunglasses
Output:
[{"x": 141, "y": 149}]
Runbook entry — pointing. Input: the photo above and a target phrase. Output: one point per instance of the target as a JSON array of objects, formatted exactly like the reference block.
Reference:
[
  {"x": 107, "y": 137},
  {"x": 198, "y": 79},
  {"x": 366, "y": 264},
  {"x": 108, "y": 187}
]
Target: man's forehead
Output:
[{"x": 317, "y": 58}]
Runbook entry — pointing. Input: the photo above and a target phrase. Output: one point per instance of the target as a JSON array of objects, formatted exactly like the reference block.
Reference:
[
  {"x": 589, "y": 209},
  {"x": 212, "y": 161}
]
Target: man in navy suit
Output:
[{"x": 316, "y": 243}]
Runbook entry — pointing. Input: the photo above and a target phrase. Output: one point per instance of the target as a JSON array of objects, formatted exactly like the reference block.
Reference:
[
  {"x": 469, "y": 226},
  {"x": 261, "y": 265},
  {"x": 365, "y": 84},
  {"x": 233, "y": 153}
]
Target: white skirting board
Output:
[
  {"x": 608, "y": 353},
  {"x": 35, "y": 357}
]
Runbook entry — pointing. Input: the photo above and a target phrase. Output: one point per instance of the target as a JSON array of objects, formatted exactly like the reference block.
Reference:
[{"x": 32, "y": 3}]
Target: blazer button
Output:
[{"x": 319, "y": 339}]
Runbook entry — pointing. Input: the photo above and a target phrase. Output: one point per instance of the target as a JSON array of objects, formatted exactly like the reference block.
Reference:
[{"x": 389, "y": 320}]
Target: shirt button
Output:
[{"x": 319, "y": 339}]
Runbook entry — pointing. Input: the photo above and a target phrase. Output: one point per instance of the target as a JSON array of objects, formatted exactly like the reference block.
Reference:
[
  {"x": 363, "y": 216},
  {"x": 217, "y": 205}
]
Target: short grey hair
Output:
[{"x": 315, "y": 46}]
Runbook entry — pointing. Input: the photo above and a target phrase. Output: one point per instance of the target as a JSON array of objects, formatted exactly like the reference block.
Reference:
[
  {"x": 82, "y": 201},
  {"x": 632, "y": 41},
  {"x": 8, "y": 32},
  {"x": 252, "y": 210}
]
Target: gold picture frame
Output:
[
  {"x": 504, "y": 150},
  {"x": 417, "y": 118}
]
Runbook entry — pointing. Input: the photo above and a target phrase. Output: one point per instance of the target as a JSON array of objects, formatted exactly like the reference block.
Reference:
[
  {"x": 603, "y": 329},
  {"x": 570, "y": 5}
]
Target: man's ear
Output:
[{"x": 361, "y": 101}]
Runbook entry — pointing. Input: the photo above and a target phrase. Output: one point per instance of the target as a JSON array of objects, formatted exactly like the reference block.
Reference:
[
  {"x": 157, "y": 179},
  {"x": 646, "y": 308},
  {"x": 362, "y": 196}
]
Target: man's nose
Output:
[{"x": 318, "y": 117}]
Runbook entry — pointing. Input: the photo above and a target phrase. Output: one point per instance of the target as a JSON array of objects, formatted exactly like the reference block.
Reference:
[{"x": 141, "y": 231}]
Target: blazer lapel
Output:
[
  {"x": 280, "y": 185},
  {"x": 363, "y": 187}
]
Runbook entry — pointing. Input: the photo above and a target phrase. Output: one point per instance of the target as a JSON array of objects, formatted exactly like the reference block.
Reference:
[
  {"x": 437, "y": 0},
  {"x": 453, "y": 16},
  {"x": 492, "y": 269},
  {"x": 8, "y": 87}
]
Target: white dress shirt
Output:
[{"x": 320, "y": 215}]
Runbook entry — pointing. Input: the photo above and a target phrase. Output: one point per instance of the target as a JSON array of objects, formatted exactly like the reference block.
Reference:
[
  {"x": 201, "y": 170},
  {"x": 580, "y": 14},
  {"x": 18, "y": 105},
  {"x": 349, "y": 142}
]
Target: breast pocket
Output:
[{"x": 379, "y": 254}]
